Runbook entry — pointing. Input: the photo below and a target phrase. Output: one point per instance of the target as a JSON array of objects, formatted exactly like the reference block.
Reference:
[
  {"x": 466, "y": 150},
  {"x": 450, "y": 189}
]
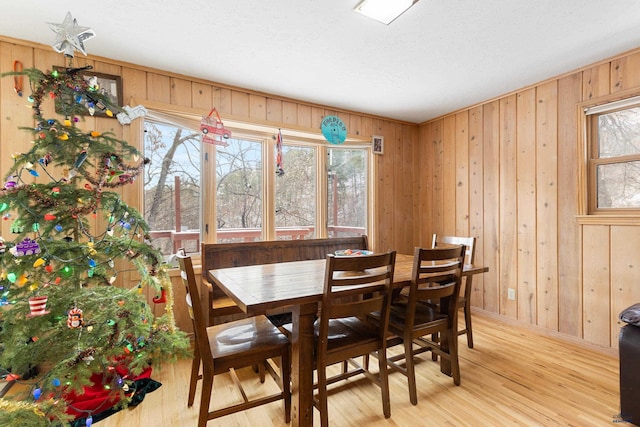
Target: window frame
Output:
[{"x": 588, "y": 211}]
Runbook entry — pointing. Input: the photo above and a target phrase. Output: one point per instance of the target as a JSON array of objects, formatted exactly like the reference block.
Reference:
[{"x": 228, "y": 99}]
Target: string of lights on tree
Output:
[{"x": 73, "y": 237}]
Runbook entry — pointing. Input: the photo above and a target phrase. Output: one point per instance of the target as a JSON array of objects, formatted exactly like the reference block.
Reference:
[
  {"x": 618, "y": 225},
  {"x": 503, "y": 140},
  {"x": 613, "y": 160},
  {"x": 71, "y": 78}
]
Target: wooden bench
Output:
[{"x": 219, "y": 306}]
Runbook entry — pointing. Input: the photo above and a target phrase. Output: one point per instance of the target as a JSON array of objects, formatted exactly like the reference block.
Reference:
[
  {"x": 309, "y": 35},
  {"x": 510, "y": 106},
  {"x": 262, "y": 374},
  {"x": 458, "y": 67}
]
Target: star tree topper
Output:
[{"x": 70, "y": 36}]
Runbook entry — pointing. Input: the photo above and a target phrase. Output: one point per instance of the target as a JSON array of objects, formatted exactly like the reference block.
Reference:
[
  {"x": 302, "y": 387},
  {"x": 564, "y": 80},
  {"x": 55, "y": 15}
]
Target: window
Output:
[
  {"x": 347, "y": 190},
  {"x": 250, "y": 200},
  {"x": 296, "y": 191},
  {"x": 172, "y": 186},
  {"x": 239, "y": 190},
  {"x": 613, "y": 135}
]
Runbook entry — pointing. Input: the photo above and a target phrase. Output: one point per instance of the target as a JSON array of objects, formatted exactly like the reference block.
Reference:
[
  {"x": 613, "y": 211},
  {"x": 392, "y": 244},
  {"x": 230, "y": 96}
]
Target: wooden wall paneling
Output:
[
  {"x": 274, "y": 110},
  {"x": 547, "y": 204},
  {"x": 526, "y": 164},
  {"x": 462, "y": 174},
  {"x": 181, "y": 92},
  {"x": 449, "y": 175},
  {"x": 366, "y": 126},
  {"x": 158, "y": 88},
  {"x": 489, "y": 248},
  {"x": 476, "y": 197},
  {"x": 597, "y": 81},
  {"x": 317, "y": 114},
  {"x": 15, "y": 112},
  {"x": 239, "y": 103},
  {"x": 596, "y": 284},
  {"x": 406, "y": 229},
  {"x": 625, "y": 274},
  {"x": 258, "y": 107},
  {"x": 355, "y": 124},
  {"x": 304, "y": 117},
  {"x": 393, "y": 146},
  {"x": 508, "y": 221},
  {"x": 569, "y": 290},
  {"x": 423, "y": 194},
  {"x": 134, "y": 85},
  {"x": 385, "y": 196},
  {"x": 625, "y": 72},
  {"x": 201, "y": 97},
  {"x": 436, "y": 146},
  {"x": 222, "y": 100},
  {"x": 289, "y": 113}
]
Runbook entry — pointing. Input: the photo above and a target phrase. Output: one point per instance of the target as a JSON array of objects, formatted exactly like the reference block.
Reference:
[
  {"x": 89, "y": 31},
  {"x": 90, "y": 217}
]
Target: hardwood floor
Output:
[{"x": 512, "y": 377}]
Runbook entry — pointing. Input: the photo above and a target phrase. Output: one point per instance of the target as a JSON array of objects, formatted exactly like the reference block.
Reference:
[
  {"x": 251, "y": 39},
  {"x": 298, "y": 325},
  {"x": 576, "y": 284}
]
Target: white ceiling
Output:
[{"x": 441, "y": 55}]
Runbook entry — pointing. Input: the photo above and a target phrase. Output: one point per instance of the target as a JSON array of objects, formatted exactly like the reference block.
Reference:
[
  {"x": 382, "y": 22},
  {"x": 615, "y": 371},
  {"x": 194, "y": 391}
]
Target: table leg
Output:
[{"x": 302, "y": 361}]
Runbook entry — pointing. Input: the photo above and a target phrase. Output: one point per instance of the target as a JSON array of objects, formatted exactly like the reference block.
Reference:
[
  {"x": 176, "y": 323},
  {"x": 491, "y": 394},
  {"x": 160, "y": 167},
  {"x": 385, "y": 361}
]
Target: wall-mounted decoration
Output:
[
  {"x": 333, "y": 129},
  {"x": 107, "y": 85},
  {"x": 213, "y": 130},
  {"x": 377, "y": 144}
]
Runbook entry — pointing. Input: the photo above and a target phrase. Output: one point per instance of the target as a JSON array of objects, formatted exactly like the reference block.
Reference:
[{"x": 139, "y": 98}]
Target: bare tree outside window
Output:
[
  {"x": 238, "y": 187},
  {"x": 347, "y": 192},
  {"x": 172, "y": 184},
  {"x": 617, "y": 159}
]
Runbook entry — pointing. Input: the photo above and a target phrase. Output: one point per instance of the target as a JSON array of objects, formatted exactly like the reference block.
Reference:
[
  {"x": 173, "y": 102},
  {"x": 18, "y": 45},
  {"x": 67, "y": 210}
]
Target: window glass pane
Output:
[
  {"x": 239, "y": 191},
  {"x": 347, "y": 192},
  {"x": 172, "y": 186},
  {"x": 619, "y": 185},
  {"x": 296, "y": 194},
  {"x": 619, "y": 133}
]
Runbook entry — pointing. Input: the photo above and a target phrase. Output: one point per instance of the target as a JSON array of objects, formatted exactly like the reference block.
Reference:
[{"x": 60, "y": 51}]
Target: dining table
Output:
[{"x": 296, "y": 286}]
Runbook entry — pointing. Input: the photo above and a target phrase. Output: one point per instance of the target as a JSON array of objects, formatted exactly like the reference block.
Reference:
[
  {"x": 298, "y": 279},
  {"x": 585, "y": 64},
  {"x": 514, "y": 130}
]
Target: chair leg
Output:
[
  {"x": 205, "y": 398},
  {"x": 285, "y": 376},
  {"x": 434, "y": 355},
  {"x": 193, "y": 381},
  {"x": 467, "y": 322},
  {"x": 453, "y": 354},
  {"x": 323, "y": 407},
  {"x": 411, "y": 372},
  {"x": 384, "y": 382},
  {"x": 261, "y": 370}
]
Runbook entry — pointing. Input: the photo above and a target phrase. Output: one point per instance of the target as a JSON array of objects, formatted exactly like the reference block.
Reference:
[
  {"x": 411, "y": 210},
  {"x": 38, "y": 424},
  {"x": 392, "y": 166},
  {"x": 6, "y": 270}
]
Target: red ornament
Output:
[
  {"x": 161, "y": 298},
  {"x": 49, "y": 217}
]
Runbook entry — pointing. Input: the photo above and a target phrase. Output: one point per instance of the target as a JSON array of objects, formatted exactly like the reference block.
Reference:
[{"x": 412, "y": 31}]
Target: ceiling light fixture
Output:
[{"x": 385, "y": 11}]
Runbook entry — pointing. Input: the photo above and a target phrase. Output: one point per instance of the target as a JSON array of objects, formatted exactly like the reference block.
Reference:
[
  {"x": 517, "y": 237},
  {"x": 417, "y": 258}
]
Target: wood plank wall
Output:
[
  {"x": 394, "y": 178},
  {"x": 506, "y": 171}
]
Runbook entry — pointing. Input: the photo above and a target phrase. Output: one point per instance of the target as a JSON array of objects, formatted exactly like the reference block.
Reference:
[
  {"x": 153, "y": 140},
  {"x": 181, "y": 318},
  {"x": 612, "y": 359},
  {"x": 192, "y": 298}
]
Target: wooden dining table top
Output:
[{"x": 258, "y": 288}]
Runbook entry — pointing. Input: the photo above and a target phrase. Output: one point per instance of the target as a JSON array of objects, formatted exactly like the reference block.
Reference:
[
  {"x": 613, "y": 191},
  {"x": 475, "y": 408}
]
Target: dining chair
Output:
[
  {"x": 229, "y": 346},
  {"x": 354, "y": 286},
  {"x": 436, "y": 277},
  {"x": 465, "y": 292}
]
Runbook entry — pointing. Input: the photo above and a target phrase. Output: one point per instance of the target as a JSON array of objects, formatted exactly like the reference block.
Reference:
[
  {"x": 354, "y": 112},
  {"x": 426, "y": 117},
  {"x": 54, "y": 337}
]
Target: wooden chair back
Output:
[
  {"x": 355, "y": 287},
  {"x": 467, "y": 283},
  {"x": 188, "y": 278},
  {"x": 436, "y": 277},
  {"x": 468, "y": 242}
]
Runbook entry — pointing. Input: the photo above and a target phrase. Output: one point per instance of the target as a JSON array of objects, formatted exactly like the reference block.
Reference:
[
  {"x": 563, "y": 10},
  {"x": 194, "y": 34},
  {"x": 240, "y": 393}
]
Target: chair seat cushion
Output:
[
  {"x": 424, "y": 314},
  {"x": 346, "y": 331},
  {"x": 253, "y": 334}
]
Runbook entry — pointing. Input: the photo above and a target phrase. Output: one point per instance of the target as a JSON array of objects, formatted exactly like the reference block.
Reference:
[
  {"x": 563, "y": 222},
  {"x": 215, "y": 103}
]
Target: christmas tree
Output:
[{"x": 65, "y": 311}]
